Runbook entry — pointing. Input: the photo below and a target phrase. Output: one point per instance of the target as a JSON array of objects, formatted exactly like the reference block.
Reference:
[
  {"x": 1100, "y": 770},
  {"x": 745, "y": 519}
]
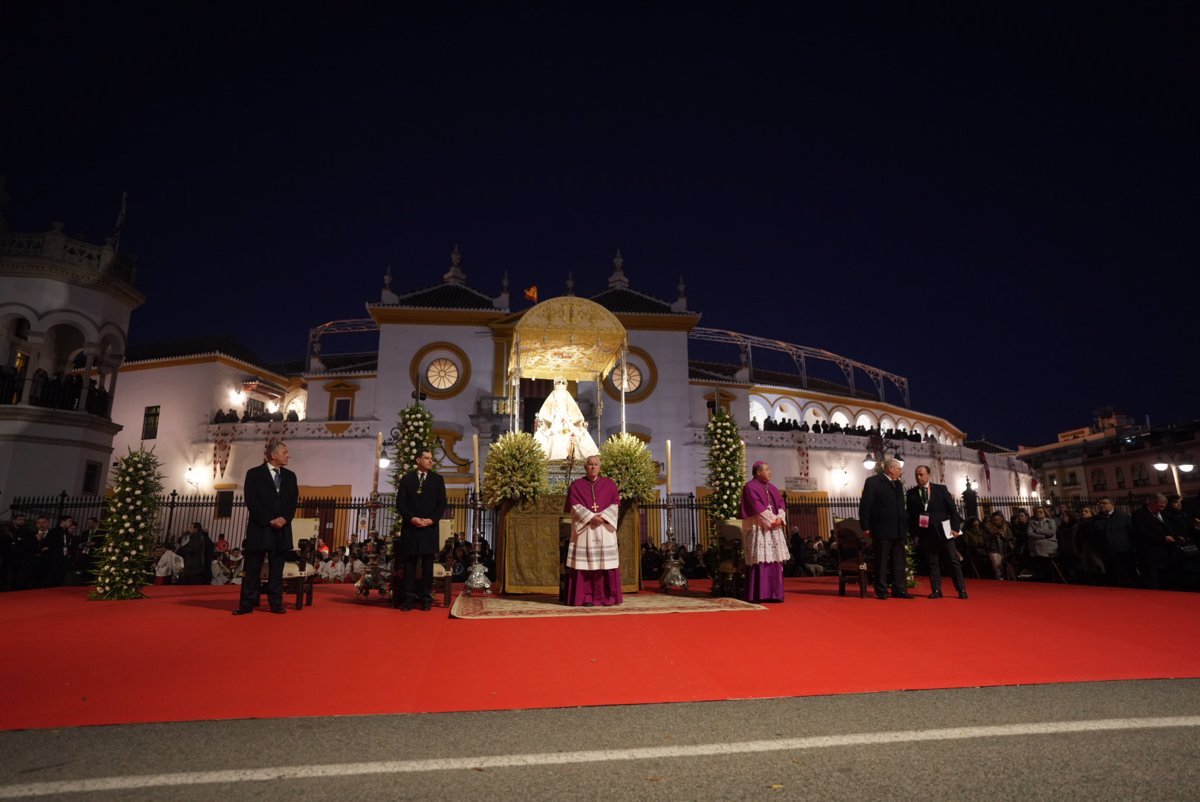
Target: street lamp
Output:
[{"x": 1175, "y": 461}]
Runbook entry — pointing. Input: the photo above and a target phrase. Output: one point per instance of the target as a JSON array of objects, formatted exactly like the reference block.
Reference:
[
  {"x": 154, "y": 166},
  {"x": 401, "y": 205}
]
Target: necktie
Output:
[
  {"x": 924, "y": 495},
  {"x": 420, "y": 481},
  {"x": 278, "y": 479}
]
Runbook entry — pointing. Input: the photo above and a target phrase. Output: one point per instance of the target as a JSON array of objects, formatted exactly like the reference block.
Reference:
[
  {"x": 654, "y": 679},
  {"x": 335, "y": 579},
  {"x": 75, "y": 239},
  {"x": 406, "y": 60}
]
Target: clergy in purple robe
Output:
[
  {"x": 593, "y": 572},
  {"x": 764, "y": 521}
]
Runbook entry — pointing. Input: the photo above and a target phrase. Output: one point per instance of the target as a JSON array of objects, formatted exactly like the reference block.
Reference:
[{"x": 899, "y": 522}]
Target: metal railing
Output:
[{"x": 340, "y": 518}]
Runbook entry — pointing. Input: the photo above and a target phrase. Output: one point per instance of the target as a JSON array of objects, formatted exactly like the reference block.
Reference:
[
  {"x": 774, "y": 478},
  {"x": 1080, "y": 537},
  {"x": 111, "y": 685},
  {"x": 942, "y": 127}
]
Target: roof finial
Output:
[
  {"x": 455, "y": 274},
  {"x": 570, "y": 283},
  {"x": 680, "y": 304},
  {"x": 387, "y": 296},
  {"x": 617, "y": 280}
]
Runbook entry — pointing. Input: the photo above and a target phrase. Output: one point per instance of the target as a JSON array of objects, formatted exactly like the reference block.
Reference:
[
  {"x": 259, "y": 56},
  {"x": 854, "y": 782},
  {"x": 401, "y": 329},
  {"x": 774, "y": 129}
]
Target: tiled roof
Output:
[
  {"x": 192, "y": 346},
  {"x": 619, "y": 300},
  {"x": 446, "y": 296}
]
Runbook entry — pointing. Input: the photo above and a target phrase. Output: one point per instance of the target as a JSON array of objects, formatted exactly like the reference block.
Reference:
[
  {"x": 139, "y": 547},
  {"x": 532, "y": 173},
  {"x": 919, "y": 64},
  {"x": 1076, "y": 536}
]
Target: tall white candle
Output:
[
  {"x": 668, "y": 467},
  {"x": 475, "y": 446}
]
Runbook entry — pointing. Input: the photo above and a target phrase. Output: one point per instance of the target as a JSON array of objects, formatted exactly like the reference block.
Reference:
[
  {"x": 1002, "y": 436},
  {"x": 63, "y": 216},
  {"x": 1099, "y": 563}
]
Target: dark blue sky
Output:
[{"x": 998, "y": 204}]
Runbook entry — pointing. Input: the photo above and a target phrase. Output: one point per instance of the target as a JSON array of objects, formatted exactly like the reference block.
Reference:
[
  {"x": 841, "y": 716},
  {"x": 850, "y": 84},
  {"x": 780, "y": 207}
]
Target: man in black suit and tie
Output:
[
  {"x": 881, "y": 513},
  {"x": 271, "y": 496},
  {"x": 1153, "y": 542},
  {"x": 420, "y": 504},
  {"x": 929, "y": 506}
]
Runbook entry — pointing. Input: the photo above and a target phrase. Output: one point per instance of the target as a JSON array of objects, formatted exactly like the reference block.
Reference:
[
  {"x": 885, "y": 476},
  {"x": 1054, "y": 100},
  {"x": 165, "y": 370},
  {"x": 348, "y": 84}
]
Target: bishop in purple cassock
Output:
[
  {"x": 593, "y": 571},
  {"x": 764, "y": 520}
]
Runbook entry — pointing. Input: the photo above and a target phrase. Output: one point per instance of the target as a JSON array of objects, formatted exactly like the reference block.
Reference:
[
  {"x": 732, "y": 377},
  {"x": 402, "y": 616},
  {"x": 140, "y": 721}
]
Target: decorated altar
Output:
[{"x": 529, "y": 546}]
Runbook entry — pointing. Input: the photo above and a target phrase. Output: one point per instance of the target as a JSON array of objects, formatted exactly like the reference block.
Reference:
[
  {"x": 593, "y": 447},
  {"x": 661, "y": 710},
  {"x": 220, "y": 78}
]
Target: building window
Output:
[
  {"x": 1141, "y": 476},
  {"x": 442, "y": 374},
  {"x": 150, "y": 423},
  {"x": 1072, "y": 480},
  {"x": 224, "y": 504},
  {"x": 1120, "y": 477},
  {"x": 1098, "y": 480},
  {"x": 342, "y": 408},
  {"x": 91, "y": 477},
  {"x": 630, "y": 376}
]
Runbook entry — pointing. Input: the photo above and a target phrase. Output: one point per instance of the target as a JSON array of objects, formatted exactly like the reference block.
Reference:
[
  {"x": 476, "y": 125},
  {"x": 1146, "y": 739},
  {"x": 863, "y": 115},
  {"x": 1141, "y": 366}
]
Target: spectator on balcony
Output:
[
  {"x": 1042, "y": 536},
  {"x": 1115, "y": 536}
]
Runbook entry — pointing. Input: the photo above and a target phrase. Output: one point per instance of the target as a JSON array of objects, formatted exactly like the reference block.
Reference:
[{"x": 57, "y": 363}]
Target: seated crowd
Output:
[{"x": 824, "y": 427}]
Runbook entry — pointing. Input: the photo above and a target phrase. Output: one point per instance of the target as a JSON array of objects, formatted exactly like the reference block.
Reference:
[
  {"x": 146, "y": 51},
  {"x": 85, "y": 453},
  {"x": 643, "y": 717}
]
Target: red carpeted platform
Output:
[{"x": 179, "y": 654}]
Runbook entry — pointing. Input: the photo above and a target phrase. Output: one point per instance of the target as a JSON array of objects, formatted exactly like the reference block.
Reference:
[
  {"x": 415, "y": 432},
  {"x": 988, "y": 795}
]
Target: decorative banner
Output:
[
  {"x": 1012, "y": 466},
  {"x": 221, "y": 449},
  {"x": 802, "y": 454},
  {"x": 987, "y": 472},
  {"x": 940, "y": 461}
]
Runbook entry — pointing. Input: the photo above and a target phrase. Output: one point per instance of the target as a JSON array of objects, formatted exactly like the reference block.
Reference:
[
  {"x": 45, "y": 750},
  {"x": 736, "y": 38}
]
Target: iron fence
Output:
[{"x": 341, "y": 518}]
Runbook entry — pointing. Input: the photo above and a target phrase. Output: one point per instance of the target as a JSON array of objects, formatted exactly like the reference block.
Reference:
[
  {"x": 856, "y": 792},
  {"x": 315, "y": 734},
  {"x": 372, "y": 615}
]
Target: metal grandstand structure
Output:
[{"x": 800, "y": 354}]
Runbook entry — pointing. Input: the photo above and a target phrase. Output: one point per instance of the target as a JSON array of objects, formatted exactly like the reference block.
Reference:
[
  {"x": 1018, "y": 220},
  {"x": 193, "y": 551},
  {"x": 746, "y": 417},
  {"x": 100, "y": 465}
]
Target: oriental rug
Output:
[{"x": 646, "y": 603}]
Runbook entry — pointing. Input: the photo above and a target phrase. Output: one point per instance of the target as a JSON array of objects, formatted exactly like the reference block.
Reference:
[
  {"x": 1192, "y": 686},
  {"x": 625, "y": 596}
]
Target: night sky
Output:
[{"x": 1000, "y": 205}]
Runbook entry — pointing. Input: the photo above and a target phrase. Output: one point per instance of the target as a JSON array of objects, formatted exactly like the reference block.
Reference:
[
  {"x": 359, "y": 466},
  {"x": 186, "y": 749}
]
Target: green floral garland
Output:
[
  {"x": 726, "y": 466},
  {"x": 516, "y": 471},
  {"x": 416, "y": 435},
  {"x": 626, "y": 460},
  {"x": 124, "y": 562}
]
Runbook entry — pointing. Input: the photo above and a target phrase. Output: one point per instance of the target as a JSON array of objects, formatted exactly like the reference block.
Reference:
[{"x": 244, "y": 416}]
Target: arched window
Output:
[
  {"x": 1099, "y": 482},
  {"x": 1141, "y": 476}
]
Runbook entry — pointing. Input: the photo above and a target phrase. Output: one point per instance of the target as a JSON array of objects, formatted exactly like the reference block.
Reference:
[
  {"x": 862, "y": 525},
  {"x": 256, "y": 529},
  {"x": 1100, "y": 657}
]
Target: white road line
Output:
[{"x": 597, "y": 756}]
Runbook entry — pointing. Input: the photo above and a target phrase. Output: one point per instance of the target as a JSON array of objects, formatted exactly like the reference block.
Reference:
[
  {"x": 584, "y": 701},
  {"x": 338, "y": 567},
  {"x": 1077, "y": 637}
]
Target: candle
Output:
[
  {"x": 668, "y": 467},
  {"x": 475, "y": 445}
]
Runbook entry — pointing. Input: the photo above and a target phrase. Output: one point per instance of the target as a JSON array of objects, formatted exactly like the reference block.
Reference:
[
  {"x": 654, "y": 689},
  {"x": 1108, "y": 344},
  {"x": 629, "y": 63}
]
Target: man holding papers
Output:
[{"x": 934, "y": 520}]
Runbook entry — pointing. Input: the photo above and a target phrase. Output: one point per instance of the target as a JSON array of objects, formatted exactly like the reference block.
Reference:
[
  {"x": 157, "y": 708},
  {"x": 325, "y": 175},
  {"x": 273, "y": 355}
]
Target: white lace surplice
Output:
[{"x": 761, "y": 543}]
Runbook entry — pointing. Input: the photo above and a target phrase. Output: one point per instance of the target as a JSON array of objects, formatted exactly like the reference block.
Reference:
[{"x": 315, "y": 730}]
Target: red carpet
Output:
[{"x": 179, "y": 655}]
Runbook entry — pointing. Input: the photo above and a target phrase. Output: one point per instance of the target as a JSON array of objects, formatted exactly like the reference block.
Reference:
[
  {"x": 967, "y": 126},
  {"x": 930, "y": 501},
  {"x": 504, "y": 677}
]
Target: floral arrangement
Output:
[
  {"x": 124, "y": 563},
  {"x": 626, "y": 460},
  {"x": 416, "y": 435},
  {"x": 726, "y": 466},
  {"x": 516, "y": 471}
]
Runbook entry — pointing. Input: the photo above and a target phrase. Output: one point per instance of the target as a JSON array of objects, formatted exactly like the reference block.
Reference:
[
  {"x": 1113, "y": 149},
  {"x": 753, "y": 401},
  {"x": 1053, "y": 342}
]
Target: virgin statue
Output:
[{"x": 560, "y": 428}]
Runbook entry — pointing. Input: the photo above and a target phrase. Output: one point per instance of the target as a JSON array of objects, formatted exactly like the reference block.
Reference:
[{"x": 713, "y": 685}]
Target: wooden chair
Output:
[{"x": 853, "y": 565}]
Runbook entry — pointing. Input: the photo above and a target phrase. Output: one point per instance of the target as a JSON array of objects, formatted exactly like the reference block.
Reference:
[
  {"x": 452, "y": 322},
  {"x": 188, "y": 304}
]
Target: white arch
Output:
[
  {"x": 68, "y": 317},
  {"x": 865, "y": 419}
]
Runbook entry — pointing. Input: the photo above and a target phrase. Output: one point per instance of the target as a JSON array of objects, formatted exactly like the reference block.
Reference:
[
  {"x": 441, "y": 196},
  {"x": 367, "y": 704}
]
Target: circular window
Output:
[
  {"x": 442, "y": 374},
  {"x": 630, "y": 376}
]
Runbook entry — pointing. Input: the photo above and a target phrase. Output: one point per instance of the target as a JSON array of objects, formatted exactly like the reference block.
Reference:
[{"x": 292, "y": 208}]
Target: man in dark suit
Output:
[
  {"x": 929, "y": 506},
  {"x": 420, "y": 504},
  {"x": 881, "y": 512},
  {"x": 1153, "y": 542},
  {"x": 271, "y": 496}
]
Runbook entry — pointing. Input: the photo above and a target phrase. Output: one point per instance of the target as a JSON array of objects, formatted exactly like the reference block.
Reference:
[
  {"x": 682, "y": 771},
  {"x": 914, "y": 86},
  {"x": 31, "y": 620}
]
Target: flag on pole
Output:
[{"x": 531, "y": 294}]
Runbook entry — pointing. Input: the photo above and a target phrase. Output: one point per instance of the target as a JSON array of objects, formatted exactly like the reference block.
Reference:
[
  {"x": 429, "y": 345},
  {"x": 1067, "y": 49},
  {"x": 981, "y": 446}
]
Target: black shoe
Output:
[
  {"x": 937, "y": 594},
  {"x": 881, "y": 595},
  {"x": 278, "y": 610},
  {"x": 426, "y": 606},
  {"x": 587, "y": 604},
  {"x": 901, "y": 594},
  {"x": 406, "y": 607},
  {"x": 242, "y": 612},
  {"x": 962, "y": 594}
]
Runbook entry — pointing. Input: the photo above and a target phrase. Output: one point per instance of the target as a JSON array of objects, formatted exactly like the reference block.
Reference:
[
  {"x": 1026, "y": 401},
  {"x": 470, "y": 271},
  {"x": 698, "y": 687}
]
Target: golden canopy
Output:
[{"x": 570, "y": 337}]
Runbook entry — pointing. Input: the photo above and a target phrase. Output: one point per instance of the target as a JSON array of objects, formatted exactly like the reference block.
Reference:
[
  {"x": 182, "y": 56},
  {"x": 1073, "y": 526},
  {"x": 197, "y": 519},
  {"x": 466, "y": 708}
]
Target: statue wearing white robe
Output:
[{"x": 560, "y": 428}]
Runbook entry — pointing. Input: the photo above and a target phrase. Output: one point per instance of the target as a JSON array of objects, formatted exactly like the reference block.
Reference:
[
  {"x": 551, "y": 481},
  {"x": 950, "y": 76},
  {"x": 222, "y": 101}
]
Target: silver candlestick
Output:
[
  {"x": 672, "y": 577},
  {"x": 477, "y": 573}
]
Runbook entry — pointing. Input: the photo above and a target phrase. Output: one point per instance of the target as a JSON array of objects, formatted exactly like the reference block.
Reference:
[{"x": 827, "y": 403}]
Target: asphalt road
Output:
[{"x": 985, "y": 743}]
